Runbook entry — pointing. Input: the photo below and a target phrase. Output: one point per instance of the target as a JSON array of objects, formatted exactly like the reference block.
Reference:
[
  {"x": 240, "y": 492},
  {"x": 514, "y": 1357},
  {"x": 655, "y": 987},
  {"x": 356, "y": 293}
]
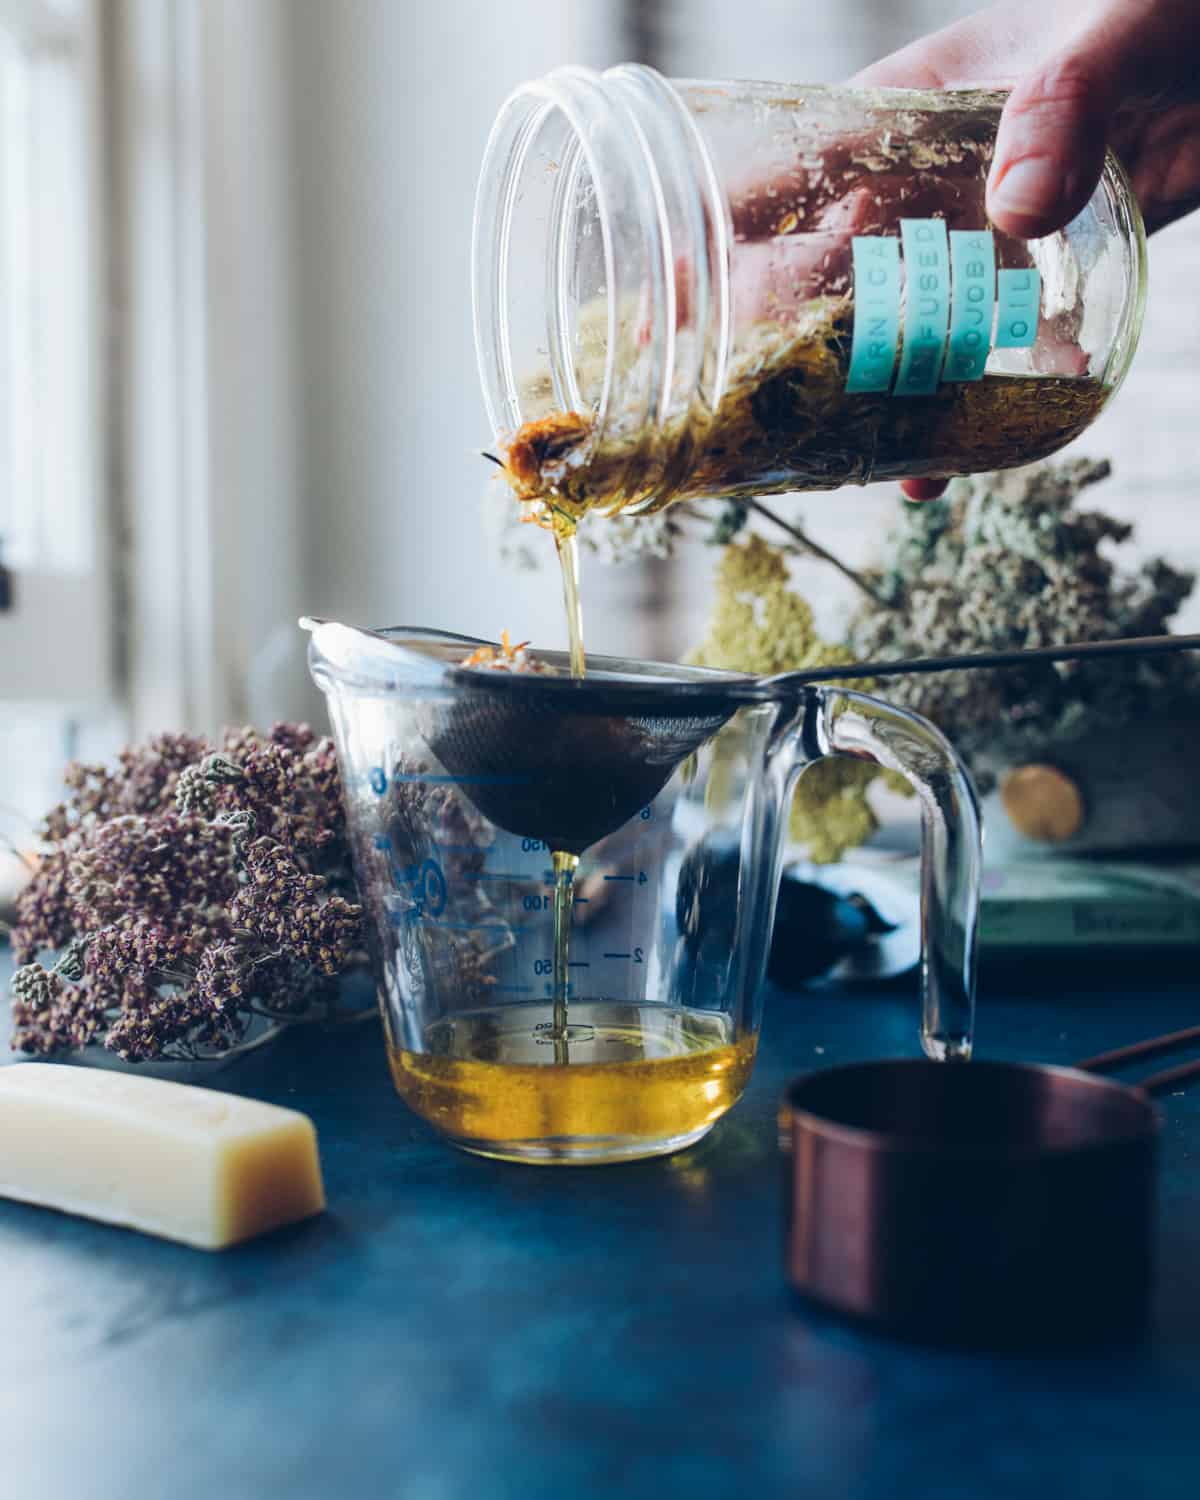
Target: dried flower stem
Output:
[{"x": 805, "y": 541}]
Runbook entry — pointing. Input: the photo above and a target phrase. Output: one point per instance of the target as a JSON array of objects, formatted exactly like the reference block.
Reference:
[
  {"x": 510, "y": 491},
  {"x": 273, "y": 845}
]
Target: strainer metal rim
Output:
[{"x": 658, "y": 688}]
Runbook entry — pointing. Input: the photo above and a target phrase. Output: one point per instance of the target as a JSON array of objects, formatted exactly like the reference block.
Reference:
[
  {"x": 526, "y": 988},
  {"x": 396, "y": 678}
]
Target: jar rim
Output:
[
  {"x": 516, "y": 128},
  {"x": 660, "y": 213}
]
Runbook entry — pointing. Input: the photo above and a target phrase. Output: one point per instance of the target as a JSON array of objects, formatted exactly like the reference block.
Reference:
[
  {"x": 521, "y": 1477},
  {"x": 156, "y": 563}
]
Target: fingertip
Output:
[
  {"x": 1049, "y": 151},
  {"x": 1036, "y": 195},
  {"x": 922, "y": 489}
]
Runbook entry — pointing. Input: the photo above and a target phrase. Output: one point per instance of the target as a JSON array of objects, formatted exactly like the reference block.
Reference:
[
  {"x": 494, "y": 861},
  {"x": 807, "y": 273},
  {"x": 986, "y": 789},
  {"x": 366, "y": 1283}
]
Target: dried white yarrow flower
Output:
[{"x": 625, "y": 539}]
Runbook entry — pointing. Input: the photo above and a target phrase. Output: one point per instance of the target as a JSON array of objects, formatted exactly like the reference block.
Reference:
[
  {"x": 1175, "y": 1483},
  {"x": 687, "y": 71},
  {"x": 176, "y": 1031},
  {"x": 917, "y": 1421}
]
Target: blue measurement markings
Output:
[
  {"x": 424, "y": 776},
  {"x": 425, "y": 886}
]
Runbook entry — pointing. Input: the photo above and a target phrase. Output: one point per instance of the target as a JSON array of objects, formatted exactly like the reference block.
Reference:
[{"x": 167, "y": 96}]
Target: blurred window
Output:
[{"x": 55, "y": 614}]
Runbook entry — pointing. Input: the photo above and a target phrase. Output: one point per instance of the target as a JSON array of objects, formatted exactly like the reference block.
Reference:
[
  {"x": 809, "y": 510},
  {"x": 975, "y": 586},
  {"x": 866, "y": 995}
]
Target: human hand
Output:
[{"x": 1083, "y": 76}]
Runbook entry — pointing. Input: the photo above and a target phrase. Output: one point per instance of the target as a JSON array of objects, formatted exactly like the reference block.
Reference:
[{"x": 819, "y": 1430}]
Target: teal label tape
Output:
[
  {"x": 926, "y": 305},
  {"x": 1019, "y": 297},
  {"x": 952, "y": 296},
  {"x": 972, "y": 303},
  {"x": 876, "y": 313}
]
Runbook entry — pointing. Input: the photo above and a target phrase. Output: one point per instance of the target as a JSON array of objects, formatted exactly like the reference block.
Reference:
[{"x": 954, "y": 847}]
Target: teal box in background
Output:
[{"x": 1062, "y": 904}]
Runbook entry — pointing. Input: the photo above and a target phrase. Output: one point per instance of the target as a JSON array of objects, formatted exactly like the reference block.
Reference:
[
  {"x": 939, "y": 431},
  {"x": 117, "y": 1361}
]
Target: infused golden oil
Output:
[{"x": 628, "y": 1075}]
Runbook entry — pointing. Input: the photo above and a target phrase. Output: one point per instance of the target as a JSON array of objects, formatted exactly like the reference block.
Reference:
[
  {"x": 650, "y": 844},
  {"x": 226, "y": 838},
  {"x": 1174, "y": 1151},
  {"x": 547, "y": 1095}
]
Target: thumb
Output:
[{"x": 1050, "y": 144}]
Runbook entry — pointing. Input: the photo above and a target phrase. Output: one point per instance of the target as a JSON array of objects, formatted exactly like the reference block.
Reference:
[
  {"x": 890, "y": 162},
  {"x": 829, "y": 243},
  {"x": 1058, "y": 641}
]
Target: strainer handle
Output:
[{"x": 853, "y": 724}]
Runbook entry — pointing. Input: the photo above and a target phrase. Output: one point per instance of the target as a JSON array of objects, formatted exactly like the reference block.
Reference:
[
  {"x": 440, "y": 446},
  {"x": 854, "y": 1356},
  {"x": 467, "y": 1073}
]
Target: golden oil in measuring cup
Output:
[{"x": 497, "y": 1082}]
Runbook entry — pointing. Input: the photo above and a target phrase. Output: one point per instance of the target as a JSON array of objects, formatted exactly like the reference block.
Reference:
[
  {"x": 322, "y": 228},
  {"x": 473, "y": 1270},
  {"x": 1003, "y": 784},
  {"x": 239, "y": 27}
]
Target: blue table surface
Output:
[{"x": 457, "y": 1327}]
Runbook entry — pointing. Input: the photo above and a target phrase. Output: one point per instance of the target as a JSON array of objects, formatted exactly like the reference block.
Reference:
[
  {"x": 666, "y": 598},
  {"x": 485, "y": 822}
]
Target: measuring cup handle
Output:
[{"x": 951, "y": 851}]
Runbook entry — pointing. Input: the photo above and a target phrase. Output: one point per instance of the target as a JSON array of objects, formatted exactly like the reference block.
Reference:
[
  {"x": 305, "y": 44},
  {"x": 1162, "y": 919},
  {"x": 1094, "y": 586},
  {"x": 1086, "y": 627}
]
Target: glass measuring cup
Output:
[{"x": 673, "y": 785}]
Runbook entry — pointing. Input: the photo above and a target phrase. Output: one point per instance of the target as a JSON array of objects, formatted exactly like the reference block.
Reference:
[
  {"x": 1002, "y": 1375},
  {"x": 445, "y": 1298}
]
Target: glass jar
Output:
[{"x": 687, "y": 289}]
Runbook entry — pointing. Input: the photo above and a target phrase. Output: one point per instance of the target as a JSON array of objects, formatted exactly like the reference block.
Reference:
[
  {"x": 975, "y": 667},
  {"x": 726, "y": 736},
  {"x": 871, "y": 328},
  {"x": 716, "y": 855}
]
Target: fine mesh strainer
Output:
[{"x": 567, "y": 761}]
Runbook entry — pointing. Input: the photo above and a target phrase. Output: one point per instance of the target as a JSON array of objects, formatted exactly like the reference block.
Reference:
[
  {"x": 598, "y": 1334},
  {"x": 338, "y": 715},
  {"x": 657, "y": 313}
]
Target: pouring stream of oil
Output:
[
  {"x": 565, "y": 864},
  {"x": 567, "y": 548}
]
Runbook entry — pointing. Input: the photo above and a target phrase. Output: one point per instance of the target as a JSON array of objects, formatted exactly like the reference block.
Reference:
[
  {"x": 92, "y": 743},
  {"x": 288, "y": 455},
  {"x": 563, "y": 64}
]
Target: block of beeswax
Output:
[{"x": 189, "y": 1164}]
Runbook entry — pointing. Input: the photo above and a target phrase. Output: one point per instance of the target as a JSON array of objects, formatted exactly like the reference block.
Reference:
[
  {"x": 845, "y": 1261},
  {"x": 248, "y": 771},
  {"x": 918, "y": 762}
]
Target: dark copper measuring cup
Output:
[{"x": 981, "y": 1203}]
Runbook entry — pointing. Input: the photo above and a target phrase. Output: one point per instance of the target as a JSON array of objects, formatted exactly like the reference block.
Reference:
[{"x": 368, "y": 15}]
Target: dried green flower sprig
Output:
[
  {"x": 187, "y": 890},
  {"x": 1008, "y": 561},
  {"x": 1003, "y": 561},
  {"x": 761, "y": 624}
]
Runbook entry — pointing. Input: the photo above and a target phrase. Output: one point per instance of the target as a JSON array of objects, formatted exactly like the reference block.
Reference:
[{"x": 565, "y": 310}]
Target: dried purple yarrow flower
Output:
[
  {"x": 50, "y": 1015},
  {"x": 43, "y": 916},
  {"x": 154, "y": 865},
  {"x": 283, "y": 907},
  {"x": 297, "y": 737},
  {"x": 188, "y": 887},
  {"x": 288, "y": 986},
  {"x": 290, "y": 793},
  {"x": 134, "y": 943},
  {"x": 173, "y": 1023},
  {"x": 222, "y": 975},
  {"x": 142, "y": 781}
]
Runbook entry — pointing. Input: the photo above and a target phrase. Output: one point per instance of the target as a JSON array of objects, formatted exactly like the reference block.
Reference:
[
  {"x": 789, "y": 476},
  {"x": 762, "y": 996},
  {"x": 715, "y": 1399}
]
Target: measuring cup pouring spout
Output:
[{"x": 649, "y": 804}]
